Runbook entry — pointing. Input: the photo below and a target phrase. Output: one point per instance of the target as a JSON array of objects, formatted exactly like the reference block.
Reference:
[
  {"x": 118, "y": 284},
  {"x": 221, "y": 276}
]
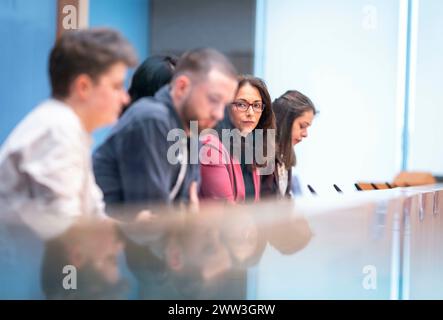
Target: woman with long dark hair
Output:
[
  {"x": 150, "y": 76},
  {"x": 294, "y": 113},
  {"x": 235, "y": 177}
]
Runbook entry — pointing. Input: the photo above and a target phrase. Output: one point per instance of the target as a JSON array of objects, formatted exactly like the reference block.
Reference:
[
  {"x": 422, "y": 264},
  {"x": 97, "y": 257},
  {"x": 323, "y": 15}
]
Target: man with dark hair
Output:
[
  {"x": 90, "y": 52},
  {"x": 45, "y": 164},
  {"x": 134, "y": 165}
]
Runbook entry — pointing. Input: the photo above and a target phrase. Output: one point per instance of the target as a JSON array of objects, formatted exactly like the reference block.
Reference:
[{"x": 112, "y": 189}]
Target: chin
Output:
[
  {"x": 204, "y": 126},
  {"x": 247, "y": 130}
]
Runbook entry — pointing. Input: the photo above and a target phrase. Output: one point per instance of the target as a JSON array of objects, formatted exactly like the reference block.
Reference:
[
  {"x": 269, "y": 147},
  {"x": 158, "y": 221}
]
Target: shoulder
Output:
[
  {"x": 211, "y": 141},
  {"x": 147, "y": 109},
  {"x": 146, "y": 114},
  {"x": 50, "y": 123},
  {"x": 213, "y": 152}
]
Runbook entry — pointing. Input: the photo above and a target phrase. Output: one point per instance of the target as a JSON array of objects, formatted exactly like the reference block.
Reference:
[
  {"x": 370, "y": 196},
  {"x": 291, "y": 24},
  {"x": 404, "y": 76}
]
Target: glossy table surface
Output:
[{"x": 383, "y": 244}]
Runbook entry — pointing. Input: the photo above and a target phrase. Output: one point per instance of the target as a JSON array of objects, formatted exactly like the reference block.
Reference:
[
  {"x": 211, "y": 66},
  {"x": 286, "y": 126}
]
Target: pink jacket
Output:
[{"x": 221, "y": 174}]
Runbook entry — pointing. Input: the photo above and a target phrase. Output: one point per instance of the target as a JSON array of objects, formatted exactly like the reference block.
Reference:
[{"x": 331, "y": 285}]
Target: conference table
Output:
[{"x": 380, "y": 244}]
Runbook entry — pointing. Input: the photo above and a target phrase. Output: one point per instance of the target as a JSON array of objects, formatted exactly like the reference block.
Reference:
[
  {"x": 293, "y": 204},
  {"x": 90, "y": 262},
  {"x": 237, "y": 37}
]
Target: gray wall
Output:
[{"x": 177, "y": 26}]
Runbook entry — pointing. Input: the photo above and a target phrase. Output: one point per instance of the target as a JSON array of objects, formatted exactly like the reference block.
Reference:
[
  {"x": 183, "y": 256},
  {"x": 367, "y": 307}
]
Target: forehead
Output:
[
  {"x": 217, "y": 81},
  {"x": 248, "y": 92},
  {"x": 115, "y": 72},
  {"x": 306, "y": 116}
]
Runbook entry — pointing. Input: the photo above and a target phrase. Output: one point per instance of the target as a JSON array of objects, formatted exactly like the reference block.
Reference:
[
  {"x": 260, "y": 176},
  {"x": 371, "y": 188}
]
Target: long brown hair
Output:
[
  {"x": 288, "y": 107},
  {"x": 267, "y": 118}
]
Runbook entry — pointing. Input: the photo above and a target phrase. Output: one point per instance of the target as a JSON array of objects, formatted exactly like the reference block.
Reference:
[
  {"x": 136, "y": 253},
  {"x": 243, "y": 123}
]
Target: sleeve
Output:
[
  {"x": 52, "y": 173},
  {"x": 54, "y": 170},
  {"x": 141, "y": 153},
  {"x": 215, "y": 181}
]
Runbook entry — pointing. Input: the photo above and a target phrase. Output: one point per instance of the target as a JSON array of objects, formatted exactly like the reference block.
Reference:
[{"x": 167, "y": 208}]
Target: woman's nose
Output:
[{"x": 250, "y": 111}]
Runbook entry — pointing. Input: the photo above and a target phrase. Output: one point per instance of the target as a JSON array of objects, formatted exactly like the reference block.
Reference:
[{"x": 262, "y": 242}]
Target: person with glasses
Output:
[
  {"x": 225, "y": 173},
  {"x": 294, "y": 113}
]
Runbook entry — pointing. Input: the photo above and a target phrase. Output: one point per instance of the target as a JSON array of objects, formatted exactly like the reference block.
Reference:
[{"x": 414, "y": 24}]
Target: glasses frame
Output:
[{"x": 250, "y": 105}]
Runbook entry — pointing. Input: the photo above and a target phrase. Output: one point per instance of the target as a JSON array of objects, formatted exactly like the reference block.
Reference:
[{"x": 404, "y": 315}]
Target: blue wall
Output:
[
  {"x": 131, "y": 17},
  {"x": 128, "y": 16},
  {"x": 27, "y": 32}
]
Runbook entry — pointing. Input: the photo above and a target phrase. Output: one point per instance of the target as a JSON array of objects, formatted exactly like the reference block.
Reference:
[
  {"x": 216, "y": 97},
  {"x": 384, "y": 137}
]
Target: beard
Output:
[{"x": 189, "y": 114}]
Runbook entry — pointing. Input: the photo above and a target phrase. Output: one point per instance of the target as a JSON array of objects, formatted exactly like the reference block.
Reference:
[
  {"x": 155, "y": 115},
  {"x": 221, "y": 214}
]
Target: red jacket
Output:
[{"x": 221, "y": 174}]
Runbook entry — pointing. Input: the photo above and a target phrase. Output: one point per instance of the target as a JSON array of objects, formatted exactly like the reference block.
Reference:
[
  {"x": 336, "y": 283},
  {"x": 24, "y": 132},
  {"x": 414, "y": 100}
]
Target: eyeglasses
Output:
[{"x": 244, "y": 106}]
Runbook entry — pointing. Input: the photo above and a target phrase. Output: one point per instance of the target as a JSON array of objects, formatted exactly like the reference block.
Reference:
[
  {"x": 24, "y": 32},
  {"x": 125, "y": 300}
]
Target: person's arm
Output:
[
  {"x": 54, "y": 171},
  {"x": 107, "y": 174}
]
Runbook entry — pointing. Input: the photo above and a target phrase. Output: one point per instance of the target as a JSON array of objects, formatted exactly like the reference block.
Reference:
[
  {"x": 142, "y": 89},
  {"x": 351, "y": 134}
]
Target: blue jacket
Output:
[{"x": 131, "y": 166}]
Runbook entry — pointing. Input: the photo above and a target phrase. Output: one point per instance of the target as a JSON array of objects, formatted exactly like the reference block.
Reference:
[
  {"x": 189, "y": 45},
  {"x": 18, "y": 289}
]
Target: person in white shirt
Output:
[{"x": 45, "y": 163}]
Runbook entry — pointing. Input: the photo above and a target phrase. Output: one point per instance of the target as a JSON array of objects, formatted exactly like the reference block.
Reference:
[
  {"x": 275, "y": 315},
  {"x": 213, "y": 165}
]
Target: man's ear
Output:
[
  {"x": 182, "y": 86},
  {"x": 82, "y": 86}
]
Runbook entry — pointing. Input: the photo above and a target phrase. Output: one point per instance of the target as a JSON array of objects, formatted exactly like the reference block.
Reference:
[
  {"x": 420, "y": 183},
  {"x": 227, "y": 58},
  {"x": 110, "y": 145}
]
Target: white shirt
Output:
[
  {"x": 282, "y": 179},
  {"x": 45, "y": 170}
]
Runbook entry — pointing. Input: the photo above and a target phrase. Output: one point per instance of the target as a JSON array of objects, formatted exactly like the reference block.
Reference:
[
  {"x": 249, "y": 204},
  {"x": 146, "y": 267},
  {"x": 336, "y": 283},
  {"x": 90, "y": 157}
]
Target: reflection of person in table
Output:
[
  {"x": 84, "y": 258},
  {"x": 250, "y": 228},
  {"x": 185, "y": 261}
]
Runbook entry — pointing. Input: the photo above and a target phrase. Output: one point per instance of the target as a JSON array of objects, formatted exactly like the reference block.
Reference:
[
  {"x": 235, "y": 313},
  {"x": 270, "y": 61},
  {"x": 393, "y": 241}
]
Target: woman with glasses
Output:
[
  {"x": 294, "y": 113},
  {"x": 229, "y": 167}
]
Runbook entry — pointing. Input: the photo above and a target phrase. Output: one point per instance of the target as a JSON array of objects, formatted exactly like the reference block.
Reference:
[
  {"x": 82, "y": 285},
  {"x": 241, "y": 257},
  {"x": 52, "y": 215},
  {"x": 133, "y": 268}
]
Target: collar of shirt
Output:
[{"x": 85, "y": 136}]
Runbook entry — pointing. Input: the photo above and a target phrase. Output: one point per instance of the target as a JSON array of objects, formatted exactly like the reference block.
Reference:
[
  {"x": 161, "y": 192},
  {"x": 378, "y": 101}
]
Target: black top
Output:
[
  {"x": 245, "y": 168},
  {"x": 248, "y": 180}
]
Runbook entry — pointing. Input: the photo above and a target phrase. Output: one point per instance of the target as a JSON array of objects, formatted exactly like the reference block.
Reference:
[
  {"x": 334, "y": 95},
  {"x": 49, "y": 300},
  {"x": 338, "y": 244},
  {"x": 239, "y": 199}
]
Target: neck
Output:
[{"x": 79, "y": 110}]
